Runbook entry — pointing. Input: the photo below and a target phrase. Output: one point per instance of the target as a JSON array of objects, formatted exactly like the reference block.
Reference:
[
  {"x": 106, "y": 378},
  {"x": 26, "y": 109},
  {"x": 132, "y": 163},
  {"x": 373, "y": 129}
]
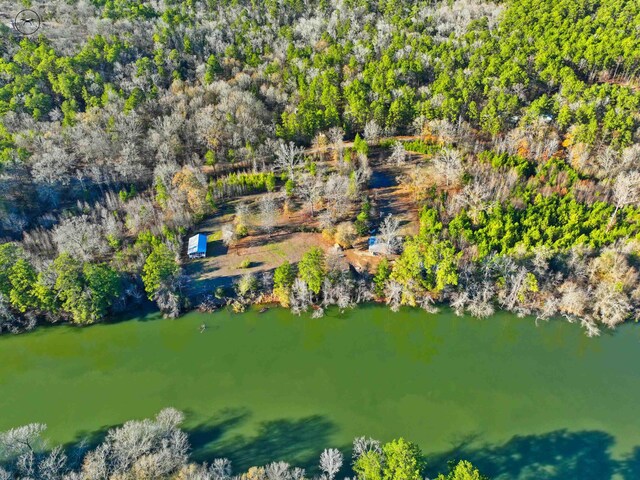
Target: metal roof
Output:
[{"x": 197, "y": 244}]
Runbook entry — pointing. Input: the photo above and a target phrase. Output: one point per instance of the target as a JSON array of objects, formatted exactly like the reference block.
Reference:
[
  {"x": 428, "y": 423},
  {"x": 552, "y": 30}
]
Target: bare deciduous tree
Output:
[
  {"x": 363, "y": 291},
  {"x": 22, "y": 454},
  {"x": 242, "y": 217},
  {"x": 360, "y": 176},
  {"x": 221, "y": 469},
  {"x": 398, "y": 153},
  {"x": 336, "y": 196},
  {"x": 336, "y": 137},
  {"x": 300, "y": 297},
  {"x": 480, "y": 305},
  {"x": 448, "y": 165},
  {"x": 611, "y": 306},
  {"x": 81, "y": 238},
  {"x": 277, "y": 471},
  {"x": 288, "y": 157},
  {"x": 20, "y": 440},
  {"x": 476, "y": 197},
  {"x": 320, "y": 143},
  {"x": 338, "y": 292},
  {"x": 362, "y": 445},
  {"x": 309, "y": 188},
  {"x": 331, "y": 462},
  {"x": 388, "y": 234},
  {"x": 626, "y": 191},
  {"x": 168, "y": 300},
  {"x": 53, "y": 165},
  {"x": 417, "y": 180},
  {"x": 372, "y": 132},
  {"x": 228, "y": 234},
  {"x": 149, "y": 448},
  {"x": 268, "y": 212},
  {"x": 393, "y": 295},
  {"x": 574, "y": 300},
  {"x": 54, "y": 465}
]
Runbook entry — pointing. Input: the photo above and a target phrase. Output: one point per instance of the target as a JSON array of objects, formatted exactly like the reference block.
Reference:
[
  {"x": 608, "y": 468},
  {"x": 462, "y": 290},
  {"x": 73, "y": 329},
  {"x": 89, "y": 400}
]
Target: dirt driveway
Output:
[
  {"x": 222, "y": 266},
  {"x": 294, "y": 234}
]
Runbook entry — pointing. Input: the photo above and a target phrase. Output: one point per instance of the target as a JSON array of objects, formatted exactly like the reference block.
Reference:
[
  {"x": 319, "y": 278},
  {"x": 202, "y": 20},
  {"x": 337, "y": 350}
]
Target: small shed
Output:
[
  {"x": 197, "y": 246},
  {"x": 377, "y": 246}
]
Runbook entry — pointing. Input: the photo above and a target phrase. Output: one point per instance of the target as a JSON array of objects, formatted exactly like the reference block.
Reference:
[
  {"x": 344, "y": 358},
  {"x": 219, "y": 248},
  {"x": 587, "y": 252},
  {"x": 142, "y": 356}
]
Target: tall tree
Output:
[
  {"x": 288, "y": 157},
  {"x": 403, "y": 461},
  {"x": 463, "y": 470},
  {"x": 283, "y": 279},
  {"x": 23, "y": 279},
  {"x": 312, "y": 269},
  {"x": 159, "y": 269}
]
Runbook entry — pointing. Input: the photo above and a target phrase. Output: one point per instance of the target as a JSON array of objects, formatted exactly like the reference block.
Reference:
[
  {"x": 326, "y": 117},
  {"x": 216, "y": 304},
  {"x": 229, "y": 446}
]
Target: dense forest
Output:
[{"x": 123, "y": 124}]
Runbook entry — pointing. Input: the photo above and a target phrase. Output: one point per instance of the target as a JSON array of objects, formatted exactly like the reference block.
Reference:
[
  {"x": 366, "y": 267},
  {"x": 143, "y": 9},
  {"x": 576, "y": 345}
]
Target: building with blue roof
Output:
[
  {"x": 377, "y": 246},
  {"x": 197, "y": 246}
]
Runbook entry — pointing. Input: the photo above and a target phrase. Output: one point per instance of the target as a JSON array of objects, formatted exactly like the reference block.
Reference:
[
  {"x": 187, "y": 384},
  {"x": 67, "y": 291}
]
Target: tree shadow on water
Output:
[
  {"x": 83, "y": 442},
  {"x": 557, "y": 455},
  {"x": 630, "y": 468},
  {"x": 212, "y": 430},
  {"x": 297, "y": 441}
]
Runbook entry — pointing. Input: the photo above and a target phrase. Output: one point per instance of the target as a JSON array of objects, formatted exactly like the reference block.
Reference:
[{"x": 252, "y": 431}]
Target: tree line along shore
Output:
[
  {"x": 158, "y": 448},
  {"x": 509, "y": 130}
]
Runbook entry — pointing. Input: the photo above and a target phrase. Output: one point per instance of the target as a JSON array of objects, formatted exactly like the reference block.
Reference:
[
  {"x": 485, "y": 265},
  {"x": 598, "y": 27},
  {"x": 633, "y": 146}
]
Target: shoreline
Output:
[{"x": 150, "y": 309}]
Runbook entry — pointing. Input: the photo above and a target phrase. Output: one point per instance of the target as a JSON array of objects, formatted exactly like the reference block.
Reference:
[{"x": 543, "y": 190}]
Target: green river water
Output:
[{"x": 520, "y": 401}]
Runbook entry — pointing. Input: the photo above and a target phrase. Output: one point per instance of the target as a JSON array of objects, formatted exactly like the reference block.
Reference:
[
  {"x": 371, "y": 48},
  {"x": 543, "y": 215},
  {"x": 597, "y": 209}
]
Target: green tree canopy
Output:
[
  {"x": 23, "y": 278},
  {"x": 403, "y": 460},
  {"x": 399, "y": 460},
  {"x": 86, "y": 291},
  {"x": 312, "y": 269},
  {"x": 463, "y": 470},
  {"x": 382, "y": 275},
  {"x": 283, "y": 278},
  {"x": 9, "y": 254},
  {"x": 368, "y": 466},
  {"x": 158, "y": 269}
]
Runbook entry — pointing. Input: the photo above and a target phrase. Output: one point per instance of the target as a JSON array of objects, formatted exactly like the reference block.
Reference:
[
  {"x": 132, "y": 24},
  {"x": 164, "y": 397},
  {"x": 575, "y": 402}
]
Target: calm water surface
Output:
[{"x": 521, "y": 401}]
